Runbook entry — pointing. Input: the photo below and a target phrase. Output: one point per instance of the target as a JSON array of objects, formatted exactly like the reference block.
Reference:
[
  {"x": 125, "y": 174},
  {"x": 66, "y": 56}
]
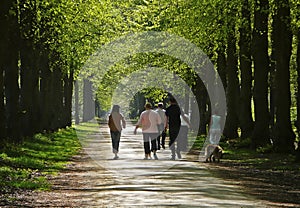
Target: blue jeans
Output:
[{"x": 115, "y": 140}]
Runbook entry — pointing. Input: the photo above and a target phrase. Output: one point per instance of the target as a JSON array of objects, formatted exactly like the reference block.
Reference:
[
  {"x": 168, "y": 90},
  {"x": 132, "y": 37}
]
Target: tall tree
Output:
[
  {"x": 283, "y": 134},
  {"x": 260, "y": 135},
  {"x": 246, "y": 120},
  {"x": 232, "y": 90},
  {"x": 4, "y": 23},
  {"x": 298, "y": 93},
  {"x": 68, "y": 89},
  {"x": 45, "y": 86},
  {"x": 29, "y": 73},
  {"x": 11, "y": 81},
  {"x": 88, "y": 101},
  {"x": 221, "y": 65}
]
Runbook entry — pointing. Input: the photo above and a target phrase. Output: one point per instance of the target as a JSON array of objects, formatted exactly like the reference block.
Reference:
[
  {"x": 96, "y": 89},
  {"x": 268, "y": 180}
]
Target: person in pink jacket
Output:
[{"x": 149, "y": 121}]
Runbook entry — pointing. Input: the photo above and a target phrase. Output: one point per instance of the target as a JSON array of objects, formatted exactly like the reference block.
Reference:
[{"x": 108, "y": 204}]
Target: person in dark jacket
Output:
[{"x": 173, "y": 123}]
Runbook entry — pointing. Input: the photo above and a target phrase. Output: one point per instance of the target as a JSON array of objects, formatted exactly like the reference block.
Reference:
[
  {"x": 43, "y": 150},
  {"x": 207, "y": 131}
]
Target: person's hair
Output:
[
  {"x": 160, "y": 105},
  {"x": 115, "y": 108},
  {"x": 173, "y": 100},
  {"x": 148, "y": 105}
]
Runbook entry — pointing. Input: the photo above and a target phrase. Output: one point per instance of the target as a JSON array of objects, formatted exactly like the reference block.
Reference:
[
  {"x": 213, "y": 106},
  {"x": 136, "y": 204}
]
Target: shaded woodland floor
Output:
[{"x": 280, "y": 188}]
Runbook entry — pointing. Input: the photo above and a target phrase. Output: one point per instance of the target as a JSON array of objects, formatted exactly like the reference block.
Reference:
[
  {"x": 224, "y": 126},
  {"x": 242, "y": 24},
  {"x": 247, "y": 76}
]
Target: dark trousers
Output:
[
  {"x": 173, "y": 133},
  {"x": 162, "y": 135},
  {"x": 115, "y": 140},
  {"x": 149, "y": 138}
]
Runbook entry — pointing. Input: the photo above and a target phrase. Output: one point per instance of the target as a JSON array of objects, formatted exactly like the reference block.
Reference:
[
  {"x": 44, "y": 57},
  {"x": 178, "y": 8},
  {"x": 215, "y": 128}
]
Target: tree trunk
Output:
[
  {"x": 11, "y": 58},
  {"x": 68, "y": 89},
  {"x": 246, "y": 120},
  {"x": 56, "y": 94},
  {"x": 260, "y": 135},
  {"x": 298, "y": 95},
  {"x": 221, "y": 68},
  {"x": 4, "y": 24},
  {"x": 200, "y": 93},
  {"x": 283, "y": 134},
  {"x": 221, "y": 65},
  {"x": 29, "y": 72},
  {"x": 88, "y": 101},
  {"x": 76, "y": 102},
  {"x": 186, "y": 99},
  {"x": 26, "y": 90},
  {"x": 2, "y": 106},
  {"x": 45, "y": 85},
  {"x": 272, "y": 89},
  {"x": 232, "y": 91}
]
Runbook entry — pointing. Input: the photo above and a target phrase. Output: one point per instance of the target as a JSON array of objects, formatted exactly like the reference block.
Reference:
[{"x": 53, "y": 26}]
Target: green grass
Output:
[
  {"x": 261, "y": 158},
  {"x": 198, "y": 142},
  {"x": 237, "y": 152},
  {"x": 26, "y": 165}
]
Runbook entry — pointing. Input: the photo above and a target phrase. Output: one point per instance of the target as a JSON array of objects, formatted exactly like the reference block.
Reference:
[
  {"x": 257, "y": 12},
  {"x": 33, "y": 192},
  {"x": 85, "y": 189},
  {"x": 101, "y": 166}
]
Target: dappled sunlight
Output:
[{"x": 132, "y": 181}]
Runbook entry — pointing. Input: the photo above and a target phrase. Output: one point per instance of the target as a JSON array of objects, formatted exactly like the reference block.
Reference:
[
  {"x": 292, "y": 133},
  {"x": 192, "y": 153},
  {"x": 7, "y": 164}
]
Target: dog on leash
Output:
[{"x": 213, "y": 153}]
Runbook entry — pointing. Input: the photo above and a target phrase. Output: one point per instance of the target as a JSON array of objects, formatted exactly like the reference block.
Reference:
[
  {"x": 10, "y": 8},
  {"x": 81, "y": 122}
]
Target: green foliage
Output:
[
  {"x": 264, "y": 158},
  {"x": 26, "y": 165}
]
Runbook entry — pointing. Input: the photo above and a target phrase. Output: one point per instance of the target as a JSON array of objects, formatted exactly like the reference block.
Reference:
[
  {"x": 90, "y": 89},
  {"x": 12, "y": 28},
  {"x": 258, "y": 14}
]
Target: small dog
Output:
[{"x": 213, "y": 152}]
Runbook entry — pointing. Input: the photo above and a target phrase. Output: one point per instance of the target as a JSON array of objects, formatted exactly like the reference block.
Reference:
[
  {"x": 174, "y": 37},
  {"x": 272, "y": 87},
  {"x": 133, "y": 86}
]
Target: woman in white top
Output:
[
  {"x": 162, "y": 126},
  {"x": 182, "y": 142},
  {"x": 149, "y": 121},
  {"x": 215, "y": 128}
]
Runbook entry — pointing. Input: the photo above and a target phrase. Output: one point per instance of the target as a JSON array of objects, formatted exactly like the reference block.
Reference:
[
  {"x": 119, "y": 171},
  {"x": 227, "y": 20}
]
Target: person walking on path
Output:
[
  {"x": 183, "y": 133},
  {"x": 149, "y": 121},
  {"x": 115, "y": 123},
  {"x": 173, "y": 123},
  {"x": 215, "y": 128},
  {"x": 162, "y": 127}
]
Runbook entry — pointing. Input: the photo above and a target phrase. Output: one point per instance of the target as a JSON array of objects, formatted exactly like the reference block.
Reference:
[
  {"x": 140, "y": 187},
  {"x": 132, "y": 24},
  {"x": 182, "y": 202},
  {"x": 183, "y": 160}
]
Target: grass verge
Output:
[{"x": 26, "y": 165}]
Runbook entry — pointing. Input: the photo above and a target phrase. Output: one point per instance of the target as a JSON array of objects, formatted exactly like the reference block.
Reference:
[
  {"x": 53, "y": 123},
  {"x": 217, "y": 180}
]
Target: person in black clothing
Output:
[{"x": 173, "y": 123}]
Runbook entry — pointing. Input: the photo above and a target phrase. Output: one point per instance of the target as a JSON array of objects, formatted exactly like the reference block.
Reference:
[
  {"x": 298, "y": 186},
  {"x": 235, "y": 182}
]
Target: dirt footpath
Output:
[{"x": 94, "y": 179}]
